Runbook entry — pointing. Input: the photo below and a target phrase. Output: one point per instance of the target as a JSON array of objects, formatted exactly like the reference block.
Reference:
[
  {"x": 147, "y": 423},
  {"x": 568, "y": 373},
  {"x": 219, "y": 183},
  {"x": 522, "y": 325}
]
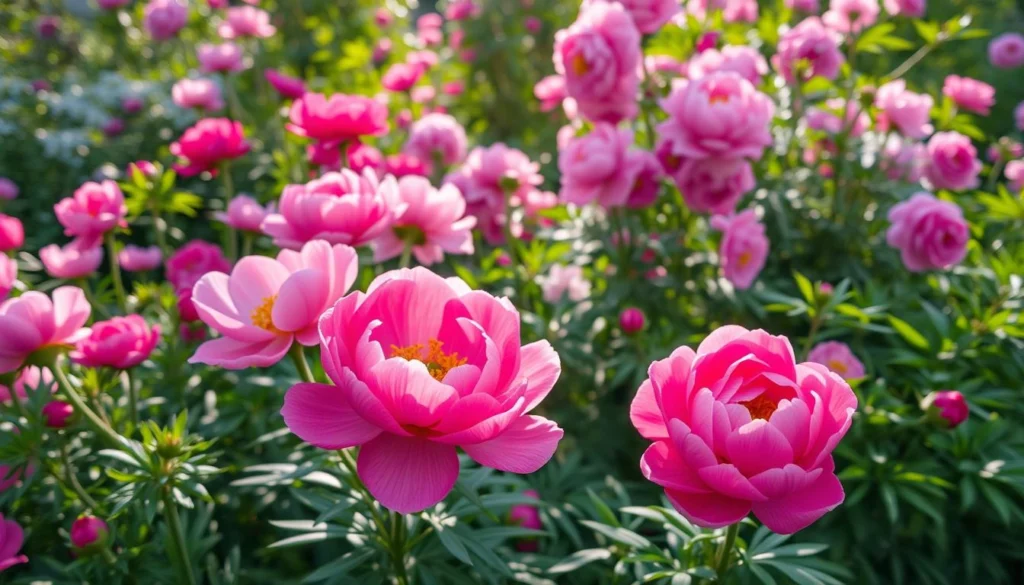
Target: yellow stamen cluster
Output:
[
  {"x": 261, "y": 315},
  {"x": 761, "y": 407},
  {"x": 437, "y": 361}
]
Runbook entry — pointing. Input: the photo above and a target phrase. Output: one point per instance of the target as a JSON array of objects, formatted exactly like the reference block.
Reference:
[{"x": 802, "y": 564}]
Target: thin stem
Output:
[
  {"x": 993, "y": 177},
  {"x": 72, "y": 480},
  {"x": 725, "y": 552},
  {"x": 406, "y": 258},
  {"x": 815, "y": 325},
  {"x": 159, "y": 227},
  {"x": 132, "y": 397},
  {"x": 397, "y": 548},
  {"x": 95, "y": 423},
  {"x": 301, "y": 366},
  {"x": 178, "y": 536},
  {"x": 115, "y": 272},
  {"x": 231, "y": 242},
  {"x": 247, "y": 240},
  {"x": 914, "y": 59}
]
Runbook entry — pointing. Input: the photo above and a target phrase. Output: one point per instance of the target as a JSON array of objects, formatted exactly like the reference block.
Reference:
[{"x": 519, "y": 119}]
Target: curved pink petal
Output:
[
  {"x": 407, "y": 474},
  {"x": 757, "y": 446},
  {"x": 524, "y": 447},
  {"x": 301, "y": 300},
  {"x": 673, "y": 372},
  {"x": 780, "y": 482},
  {"x": 237, "y": 355},
  {"x": 540, "y": 368},
  {"x": 410, "y": 393},
  {"x": 70, "y": 311},
  {"x": 792, "y": 419},
  {"x": 726, "y": 479},
  {"x": 486, "y": 428},
  {"x": 213, "y": 303},
  {"x": 645, "y": 414},
  {"x": 253, "y": 280},
  {"x": 663, "y": 466},
  {"x": 12, "y": 538},
  {"x": 321, "y": 415},
  {"x": 720, "y": 337},
  {"x": 709, "y": 510},
  {"x": 800, "y": 509}
]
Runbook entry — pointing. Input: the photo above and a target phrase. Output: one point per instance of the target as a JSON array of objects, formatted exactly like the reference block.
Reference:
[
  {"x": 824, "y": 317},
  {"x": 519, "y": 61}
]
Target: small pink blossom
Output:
[
  {"x": 89, "y": 533},
  {"x": 744, "y": 247},
  {"x": 714, "y": 185},
  {"x": 34, "y": 321},
  {"x": 491, "y": 172},
  {"x": 246, "y": 21},
  {"x": 11, "y": 539},
  {"x": 526, "y": 516},
  {"x": 112, "y": 4},
  {"x": 953, "y": 163},
  {"x": 746, "y": 61},
  {"x": 340, "y": 117},
  {"x": 437, "y": 137},
  {"x": 401, "y": 77},
  {"x": 192, "y": 261},
  {"x": 1015, "y": 175},
  {"x": 929, "y": 233},
  {"x": 120, "y": 343},
  {"x": 837, "y": 357},
  {"x": 950, "y": 406},
  {"x": 565, "y": 281},
  {"x": 808, "y": 6},
  {"x": 909, "y": 111},
  {"x": 222, "y": 58},
  {"x": 851, "y": 16},
  {"x": 970, "y": 94},
  {"x": 1007, "y": 51},
  {"x": 12, "y": 233},
  {"x": 164, "y": 18},
  {"x": 72, "y": 261},
  {"x": 244, "y": 214},
  {"x": 92, "y": 211},
  {"x": 203, "y": 94},
  {"x": 29, "y": 378},
  {"x": 289, "y": 88},
  {"x": 135, "y": 259},
  {"x": 406, "y": 165},
  {"x": 207, "y": 144},
  {"x": 461, "y": 10},
  {"x": 631, "y": 320},
  {"x": 856, "y": 120},
  {"x": 8, "y": 189},
  {"x": 904, "y": 159},
  {"x": 550, "y": 91},
  {"x": 908, "y": 8},
  {"x": 808, "y": 50},
  {"x": 383, "y": 17},
  {"x": 431, "y": 223},
  {"x": 599, "y": 167},
  {"x": 132, "y": 105}
]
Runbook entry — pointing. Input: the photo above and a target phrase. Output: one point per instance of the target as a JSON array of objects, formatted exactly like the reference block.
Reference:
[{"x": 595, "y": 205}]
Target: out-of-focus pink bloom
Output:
[
  {"x": 746, "y": 61},
  {"x": 431, "y": 223},
  {"x": 739, "y": 426},
  {"x": 953, "y": 162},
  {"x": 532, "y": 24},
  {"x": 851, "y": 16},
  {"x": 145, "y": 167},
  {"x": 1015, "y": 175},
  {"x": 222, "y": 58},
  {"x": 8, "y": 275},
  {"x": 401, "y": 77},
  {"x": 422, "y": 94},
  {"x": 491, "y": 172},
  {"x": 381, "y": 50},
  {"x": 406, "y": 165},
  {"x": 599, "y": 56},
  {"x": 909, "y": 111},
  {"x": 34, "y": 322},
  {"x": 1018, "y": 116},
  {"x": 714, "y": 185},
  {"x": 526, "y": 516},
  {"x": 599, "y": 167},
  {"x": 11, "y": 539},
  {"x": 164, "y": 18},
  {"x": 92, "y": 211},
  {"x": 10, "y": 477},
  {"x": 950, "y": 406},
  {"x": 904, "y": 159},
  {"x": 632, "y": 320},
  {"x": 341, "y": 208},
  {"x": 132, "y": 105},
  {"x": 8, "y": 189},
  {"x": 808, "y": 50},
  {"x": 565, "y": 281},
  {"x": 112, "y": 4},
  {"x": 340, "y": 117},
  {"x": 647, "y": 185},
  {"x": 120, "y": 343},
  {"x": 827, "y": 120},
  {"x": 970, "y": 94},
  {"x": 57, "y": 414},
  {"x": 197, "y": 93},
  {"x": 287, "y": 87},
  {"x": 216, "y": 4},
  {"x": 744, "y": 247},
  {"x": 207, "y": 144},
  {"x": 648, "y": 15},
  {"x": 136, "y": 259},
  {"x": 707, "y": 41},
  {"x": 246, "y": 21},
  {"x": 550, "y": 91},
  {"x": 41, "y": 85},
  {"x": 1007, "y": 50},
  {"x": 740, "y": 11},
  {"x": 929, "y": 233},
  {"x": 112, "y": 127},
  {"x": 362, "y": 156},
  {"x": 193, "y": 331},
  {"x": 422, "y": 59},
  {"x": 89, "y": 533},
  {"x": 1005, "y": 149},
  {"x": 244, "y": 214},
  {"x": 453, "y": 88},
  {"x": 461, "y": 10},
  {"x": 29, "y": 378},
  {"x": 12, "y": 233},
  {"x": 836, "y": 356},
  {"x": 71, "y": 261},
  {"x": 720, "y": 114},
  {"x": 437, "y": 138},
  {"x": 808, "y": 6},
  {"x": 190, "y": 262},
  {"x": 908, "y": 8},
  {"x": 383, "y": 17},
  {"x": 664, "y": 64},
  {"x": 48, "y": 26},
  {"x": 404, "y": 119}
]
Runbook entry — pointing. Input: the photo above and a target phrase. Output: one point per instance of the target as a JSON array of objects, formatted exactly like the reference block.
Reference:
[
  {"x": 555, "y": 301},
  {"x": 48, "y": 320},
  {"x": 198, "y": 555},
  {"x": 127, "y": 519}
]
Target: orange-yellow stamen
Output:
[
  {"x": 437, "y": 361},
  {"x": 261, "y": 315},
  {"x": 744, "y": 259},
  {"x": 580, "y": 65},
  {"x": 761, "y": 407},
  {"x": 837, "y": 367}
]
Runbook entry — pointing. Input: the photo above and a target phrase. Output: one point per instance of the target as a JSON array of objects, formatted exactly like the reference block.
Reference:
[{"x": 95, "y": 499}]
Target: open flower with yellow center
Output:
[
  {"x": 738, "y": 426},
  {"x": 266, "y": 304},
  {"x": 838, "y": 357},
  {"x": 422, "y": 365}
]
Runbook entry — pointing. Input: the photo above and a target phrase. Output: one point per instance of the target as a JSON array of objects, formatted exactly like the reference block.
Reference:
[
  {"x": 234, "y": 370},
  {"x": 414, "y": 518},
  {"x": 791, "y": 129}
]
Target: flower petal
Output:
[
  {"x": 662, "y": 465},
  {"x": 321, "y": 415},
  {"x": 407, "y": 474},
  {"x": 237, "y": 355},
  {"x": 301, "y": 300},
  {"x": 540, "y": 368},
  {"x": 757, "y": 446},
  {"x": 709, "y": 510},
  {"x": 524, "y": 447},
  {"x": 802, "y": 508},
  {"x": 645, "y": 414}
]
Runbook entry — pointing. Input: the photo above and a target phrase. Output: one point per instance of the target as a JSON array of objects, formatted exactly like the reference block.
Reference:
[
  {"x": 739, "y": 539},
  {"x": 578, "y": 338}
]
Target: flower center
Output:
[
  {"x": 837, "y": 367},
  {"x": 410, "y": 234},
  {"x": 744, "y": 258},
  {"x": 761, "y": 407},
  {"x": 579, "y": 65},
  {"x": 718, "y": 94},
  {"x": 438, "y": 362},
  {"x": 261, "y": 315}
]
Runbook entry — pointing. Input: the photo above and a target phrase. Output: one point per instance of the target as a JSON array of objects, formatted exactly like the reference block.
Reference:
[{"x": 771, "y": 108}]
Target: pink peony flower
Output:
[
  {"x": 34, "y": 322},
  {"x": 423, "y": 365},
  {"x": 909, "y": 111},
  {"x": 11, "y": 539},
  {"x": 112, "y": 127},
  {"x": 808, "y": 50},
  {"x": 145, "y": 167},
  {"x": 193, "y": 260},
  {"x": 71, "y": 261},
  {"x": 164, "y": 18},
  {"x": 290, "y": 88},
  {"x": 851, "y": 16},
  {"x": 744, "y": 247},
  {"x": 461, "y": 10},
  {"x": 8, "y": 189},
  {"x": 207, "y": 144},
  {"x": 565, "y": 281},
  {"x": 340, "y": 117},
  {"x": 550, "y": 91},
  {"x": 908, "y": 8},
  {"x": 526, "y": 516},
  {"x": 714, "y": 185},
  {"x": 431, "y": 222},
  {"x": 244, "y": 214},
  {"x": 648, "y": 15},
  {"x": 422, "y": 59},
  {"x": 454, "y": 88},
  {"x": 491, "y": 172},
  {"x": 599, "y": 167},
  {"x": 837, "y": 357},
  {"x": 383, "y": 17},
  {"x": 112, "y": 4},
  {"x": 950, "y": 406},
  {"x": 928, "y": 232},
  {"x": 808, "y": 6},
  {"x": 746, "y": 61},
  {"x": 222, "y": 58},
  {"x": 647, "y": 185},
  {"x": 29, "y": 378},
  {"x": 428, "y": 29},
  {"x": 57, "y": 414},
  {"x": 1007, "y": 51},
  {"x": 1015, "y": 175},
  {"x": 381, "y": 51},
  {"x": 89, "y": 533},
  {"x": 12, "y": 233},
  {"x": 136, "y": 259},
  {"x": 953, "y": 163},
  {"x": 246, "y": 21},
  {"x": 738, "y": 425},
  {"x": 120, "y": 343},
  {"x": 406, "y": 165},
  {"x": 132, "y": 105},
  {"x": 970, "y": 94},
  {"x": 599, "y": 56},
  {"x": 740, "y": 11},
  {"x": 1018, "y": 116},
  {"x": 8, "y": 275},
  {"x": 401, "y": 77},
  {"x": 631, "y": 320},
  {"x": 903, "y": 159},
  {"x": 92, "y": 211},
  {"x": 437, "y": 138},
  {"x": 720, "y": 114},
  {"x": 203, "y": 94}
]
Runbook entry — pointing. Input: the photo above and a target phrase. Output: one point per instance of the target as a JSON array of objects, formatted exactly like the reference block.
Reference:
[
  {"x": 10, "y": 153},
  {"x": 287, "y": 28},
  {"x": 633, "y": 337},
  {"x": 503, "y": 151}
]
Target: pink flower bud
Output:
[
  {"x": 57, "y": 414},
  {"x": 948, "y": 405},
  {"x": 632, "y": 320},
  {"x": 89, "y": 534}
]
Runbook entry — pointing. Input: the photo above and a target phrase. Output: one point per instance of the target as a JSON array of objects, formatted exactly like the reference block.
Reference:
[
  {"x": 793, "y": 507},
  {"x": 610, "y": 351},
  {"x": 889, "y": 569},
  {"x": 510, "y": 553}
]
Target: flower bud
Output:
[
  {"x": 89, "y": 534},
  {"x": 631, "y": 320},
  {"x": 947, "y": 407},
  {"x": 58, "y": 414}
]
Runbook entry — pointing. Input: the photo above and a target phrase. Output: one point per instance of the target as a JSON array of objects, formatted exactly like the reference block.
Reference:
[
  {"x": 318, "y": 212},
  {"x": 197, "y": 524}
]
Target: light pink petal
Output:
[
  {"x": 70, "y": 311},
  {"x": 646, "y": 415},
  {"x": 800, "y": 509},
  {"x": 720, "y": 337},
  {"x": 792, "y": 419},
  {"x": 663, "y": 466},
  {"x": 255, "y": 279},
  {"x": 690, "y": 446},
  {"x": 727, "y": 479},
  {"x": 540, "y": 368},
  {"x": 523, "y": 448},
  {"x": 780, "y": 482},
  {"x": 320, "y": 415},
  {"x": 407, "y": 474},
  {"x": 709, "y": 510},
  {"x": 213, "y": 303},
  {"x": 410, "y": 393},
  {"x": 301, "y": 300},
  {"x": 237, "y": 355},
  {"x": 485, "y": 429},
  {"x": 757, "y": 446}
]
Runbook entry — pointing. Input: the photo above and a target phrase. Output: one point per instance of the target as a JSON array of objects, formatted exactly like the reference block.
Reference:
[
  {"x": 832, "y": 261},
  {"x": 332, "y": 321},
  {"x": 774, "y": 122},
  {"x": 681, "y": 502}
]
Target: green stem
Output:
[
  {"x": 397, "y": 548},
  {"x": 247, "y": 241},
  {"x": 95, "y": 423},
  {"x": 914, "y": 59},
  {"x": 725, "y": 552},
  {"x": 298, "y": 354},
  {"x": 115, "y": 272},
  {"x": 406, "y": 258},
  {"x": 159, "y": 228},
  {"x": 349, "y": 464},
  {"x": 230, "y": 240},
  {"x": 815, "y": 325},
  {"x": 130, "y": 395},
  {"x": 72, "y": 480},
  {"x": 178, "y": 536}
]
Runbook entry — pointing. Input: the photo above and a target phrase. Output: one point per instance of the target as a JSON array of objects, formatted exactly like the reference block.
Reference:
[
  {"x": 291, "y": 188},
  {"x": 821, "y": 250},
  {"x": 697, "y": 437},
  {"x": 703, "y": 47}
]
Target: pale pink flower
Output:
[
  {"x": 207, "y": 144},
  {"x": 461, "y": 10},
  {"x": 222, "y": 58},
  {"x": 120, "y": 343},
  {"x": 1007, "y": 51},
  {"x": 838, "y": 357},
  {"x": 246, "y": 21},
  {"x": 401, "y": 77},
  {"x": 431, "y": 223},
  {"x": 744, "y": 247},
  {"x": 809, "y": 6},
  {"x": 648, "y": 15},
  {"x": 565, "y": 281},
  {"x": 953, "y": 162},
  {"x": 422, "y": 94},
  {"x": 929, "y": 233},
  {"x": 92, "y": 211},
  {"x": 71, "y": 261},
  {"x": 203, "y": 94},
  {"x": 909, "y": 111},
  {"x": 340, "y": 117},
  {"x": 8, "y": 275},
  {"x": 856, "y": 120},
  {"x": 550, "y": 91},
  {"x": 808, "y": 50},
  {"x": 746, "y": 61},
  {"x": 493, "y": 171},
  {"x": 600, "y": 167},
  {"x": 740, "y": 11},
  {"x": 1015, "y": 175},
  {"x": 714, "y": 185},
  {"x": 12, "y": 233},
  {"x": 904, "y": 159},
  {"x": 33, "y": 322},
  {"x": 851, "y": 16},
  {"x": 244, "y": 214},
  {"x": 437, "y": 138},
  {"x": 135, "y": 259},
  {"x": 970, "y": 94},
  {"x": 908, "y": 8},
  {"x": 30, "y": 378},
  {"x": 164, "y": 18}
]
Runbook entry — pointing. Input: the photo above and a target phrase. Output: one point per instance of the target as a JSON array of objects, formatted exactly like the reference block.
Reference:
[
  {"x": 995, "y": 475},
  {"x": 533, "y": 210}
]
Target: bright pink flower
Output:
[
  {"x": 461, "y": 10},
  {"x": 1015, "y": 175},
  {"x": 246, "y": 21},
  {"x": 431, "y": 222},
  {"x": 145, "y": 167},
  {"x": 740, "y": 11},
  {"x": 836, "y": 356},
  {"x": 92, "y": 211},
  {"x": 12, "y": 233},
  {"x": 423, "y": 365},
  {"x": 132, "y": 105},
  {"x": 383, "y": 17},
  {"x": 41, "y": 85},
  {"x": 828, "y": 120},
  {"x": 707, "y": 41},
  {"x": 340, "y": 117},
  {"x": 11, "y": 539},
  {"x": 746, "y": 61},
  {"x": 950, "y": 406},
  {"x": 929, "y": 233},
  {"x": 406, "y": 165},
  {"x": 112, "y": 4},
  {"x": 526, "y": 516},
  {"x": 57, "y": 414},
  {"x": 808, "y": 50},
  {"x": 290, "y": 88},
  {"x": 222, "y": 58},
  {"x": 631, "y": 320},
  {"x": 909, "y": 111},
  {"x": 437, "y": 138},
  {"x": 647, "y": 185},
  {"x": 714, "y": 185},
  {"x": 401, "y": 77},
  {"x": 30, "y": 378},
  {"x": 33, "y": 322},
  {"x": 422, "y": 59},
  {"x": 8, "y": 189},
  {"x": 904, "y": 159},
  {"x": 428, "y": 28},
  {"x": 341, "y": 208},
  {"x": 89, "y": 533},
  {"x": 851, "y": 16},
  {"x": 197, "y": 93},
  {"x": 970, "y": 94},
  {"x": 491, "y": 172},
  {"x": 738, "y": 425},
  {"x": 600, "y": 167},
  {"x": 532, "y": 24},
  {"x": 599, "y": 56},
  {"x": 720, "y": 114},
  {"x": 72, "y": 261},
  {"x": 648, "y": 15},
  {"x": 550, "y": 91},
  {"x": 362, "y": 156},
  {"x": 744, "y": 247},
  {"x": 164, "y": 18},
  {"x": 207, "y": 144},
  {"x": 454, "y": 88},
  {"x": 953, "y": 162},
  {"x": 135, "y": 259},
  {"x": 808, "y": 6},
  {"x": 908, "y": 8},
  {"x": 8, "y": 275},
  {"x": 565, "y": 281},
  {"x": 120, "y": 343},
  {"x": 1007, "y": 51},
  {"x": 193, "y": 260},
  {"x": 244, "y": 214},
  {"x": 381, "y": 50}
]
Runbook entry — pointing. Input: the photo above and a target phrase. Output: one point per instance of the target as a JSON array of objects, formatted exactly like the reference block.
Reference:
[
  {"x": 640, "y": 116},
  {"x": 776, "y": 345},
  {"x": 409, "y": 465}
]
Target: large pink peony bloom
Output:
[
  {"x": 244, "y": 214},
  {"x": 431, "y": 221},
  {"x": 120, "y": 343},
  {"x": 8, "y": 275},
  {"x": 744, "y": 247},
  {"x": 92, "y": 211},
  {"x": 341, "y": 208},
  {"x": 807, "y": 50},
  {"x": 953, "y": 162},
  {"x": 71, "y": 261},
  {"x": 246, "y": 21},
  {"x": 437, "y": 137},
  {"x": 164, "y": 18},
  {"x": 1007, "y": 51},
  {"x": 909, "y": 111},
  {"x": 136, "y": 259},
  {"x": 714, "y": 185},
  {"x": 11, "y": 539},
  {"x": 202, "y": 94},
  {"x": 720, "y": 114},
  {"x": 970, "y": 94},
  {"x": 600, "y": 167},
  {"x": 746, "y": 61},
  {"x": 222, "y": 58},
  {"x": 599, "y": 56},
  {"x": 423, "y": 365},
  {"x": 33, "y": 322},
  {"x": 208, "y": 143},
  {"x": 738, "y": 425},
  {"x": 265, "y": 304},
  {"x": 836, "y": 356},
  {"x": 648, "y": 15},
  {"x": 12, "y": 233},
  {"x": 851, "y": 16},
  {"x": 908, "y": 8},
  {"x": 929, "y": 233},
  {"x": 286, "y": 86},
  {"x": 340, "y": 117}
]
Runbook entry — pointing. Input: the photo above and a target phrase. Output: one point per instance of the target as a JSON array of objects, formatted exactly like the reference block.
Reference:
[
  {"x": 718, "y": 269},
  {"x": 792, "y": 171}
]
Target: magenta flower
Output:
[
  {"x": 746, "y": 61},
  {"x": 970, "y": 94},
  {"x": 632, "y": 320},
  {"x": 8, "y": 189},
  {"x": 738, "y": 425},
  {"x": 714, "y": 185},
  {"x": 647, "y": 185},
  {"x": 648, "y": 15},
  {"x": 851, "y": 16},
  {"x": 423, "y": 365},
  {"x": 431, "y": 222},
  {"x": 11, "y": 539},
  {"x": 57, "y": 414},
  {"x": 340, "y": 117},
  {"x": 909, "y": 111},
  {"x": 564, "y": 281},
  {"x": 406, "y": 165},
  {"x": 164, "y": 18},
  {"x": 207, "y": 144},
  {"x": 12, "y": 233},
  {"x": 526, "y": 516},
  {"x": 244, "y": 214},
  {"x": 837, "y": 357},
  {"x": 437, "y": 137},
  {"x": 1007, "y": 51},
  {"x": 461, "y": 10},
  {"x": 908, "y": 8},
  {"x": 132, "y": 105},
  {"x": 29, "y": 378},
  {"x": 401, "y": 77},
  {"x": 193, "y": 260},
  {"x": 92, "y": 211},
  {"x": 89, "y": 533},
  {"x": 928, "y": 232},
  {"x": 290, "y": 88},
  {"x": 599, "y": 56},
  {"x": 1014, "y": 174},
  {"x": 744, "y": 247},
  {"x": 246, "y": 21},
  {"x": 953, "y": 163},
  {"x": 383, "y": 17},
  {"x": 808, "y": 50},
  {"x": 599, "y": 167},
  {"x": 490, "y": 172},
  {"x": 949, "y": 406},
  {"x": 135, "y": 259},
  {"x": 112, "y": 4},
  {"x": 8, "y": 275},
  {"x": 203, "y": 94},
  {"x": 120, "y": 343},
  {"x": 72, "y": 261},
  {"x": 33, "y": 322},
  {"x": 550, "y": 91},
  {"x": 222, "y": 58}
]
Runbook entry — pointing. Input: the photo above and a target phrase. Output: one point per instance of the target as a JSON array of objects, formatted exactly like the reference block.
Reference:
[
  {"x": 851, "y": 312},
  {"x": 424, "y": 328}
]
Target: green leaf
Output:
[
  {"x": 307, "y": 538},
  {"x": 618, "y": 534},
  {"x": 907, "y": 331},
  {"x": 451, "y": 542},
  {"x": 889, "y": 499},
  {"x": 805, "y": 286},
  {"x": 340, "y": 566},
  {"x": 579, "y": 559},
  {"x": 929, "y": 31}
]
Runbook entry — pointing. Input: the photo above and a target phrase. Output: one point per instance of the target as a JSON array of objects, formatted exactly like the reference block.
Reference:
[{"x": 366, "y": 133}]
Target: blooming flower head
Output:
[
  {"x": 202, "y": 94},
  {"x": 11, "y": 539},
  {"x": 12, "y": 233},
  {"x": 207, "y": 144},
  {"x": 953, "y": 162},
  {"x": 950, "y": 406},
  {"x": 190, "y": 262},
  {"x": 164, "y": 18},
  {"x": 565, "y": 281},
  {"x": 909, "y": 111},
  {"x": 851, "y": 16},
  {"x": 491, "y": 172},
  {"x": 71, "y": 261},
  {"x": 746, "y": 61},
  {"x": 908, "y": 8},
  {"x": 8, "y": 189},
  {"x": 222, "y": 58},
  {"x": 904, "y": 159},
  {"x": 89, "y": 533},
  {"x": 836, "y": 356},
  {"x": 431, "y": 223},
  {"x": 340, "y": 117},
  {"x": 244, "y": 214},
  {"x": 246, "y": 21},
  {"x": 286, "y": 86},
  {"x": 970, "y": 94},
  {"x": 401, "y": 77},
  {"x": 136, "y": 259},
  {"x": 1014, "y": 175},
  {"x": 29, "y": 378},
  {"x": 744, "y": 247},
  {"x": 422, "y": 365},
  {"x": 714, "y": 185},
  {"x": 929, "y": 233},
  {"x": 599, "y": 167},
  {"x": 1007, "y": 50},
  {"x": 461, "y": 10},
  {"x": 738, "y": 426},
  {"x": 808, "y": 50},
  {"x": 8, "y": 275},
  {"x": 437, "y": 137},
  {"x": 92, "y": 211},
  {"x": 550, "y": 91},
  {"x": 648, "y": 15},
  {"x": 34, "y": 322},
  {"x": 120, "y": 343}
]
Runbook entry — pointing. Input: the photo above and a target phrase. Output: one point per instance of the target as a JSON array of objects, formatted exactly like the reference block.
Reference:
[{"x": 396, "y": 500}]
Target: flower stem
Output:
[
  {"x": 178, "y": 536},
  {"x": 95, "y": 423},
  {"x": 130, "y": 395},
  {"x": 72, "y": 481},
  {"x": 406, "y": 258},
  {"x": 725, "y": 552},
  {"x": 301, "y": 366},
  {"x": 230, "y": 241},
  {"x": 397, "y": 548},
  {"x": 115, "y": 272},
  {"x": 159, "y": 228}
]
